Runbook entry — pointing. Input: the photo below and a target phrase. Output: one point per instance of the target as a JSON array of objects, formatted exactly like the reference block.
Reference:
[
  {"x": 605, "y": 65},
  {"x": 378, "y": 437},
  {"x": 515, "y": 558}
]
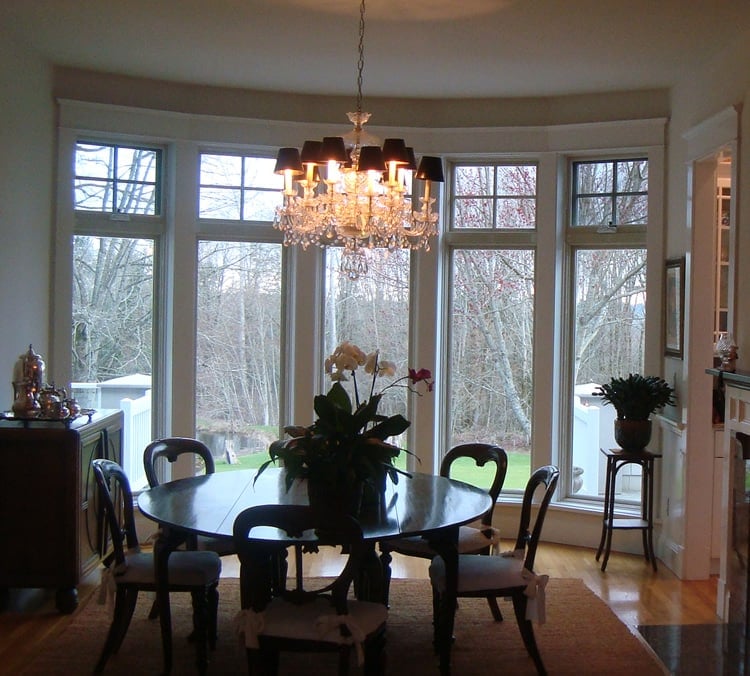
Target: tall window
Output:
[
  {"x": 238, "y": 350},
  {"x": 113, "y": 288},
  {"x": 609, "y": 307},
  {"x": 491, "y": 313},
  {"x": 373, "y": 313},
  {"x": 239, "y": 310}
]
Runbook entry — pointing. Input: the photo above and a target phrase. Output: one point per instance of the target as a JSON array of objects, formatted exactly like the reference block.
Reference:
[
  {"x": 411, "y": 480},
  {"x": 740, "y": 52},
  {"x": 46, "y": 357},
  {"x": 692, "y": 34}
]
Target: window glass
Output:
[
  {"x": 117, "y": 179},
  {"x": 238, "y": 354},
  {"x": 238, "y": 188},
  {"x": 612, "y": 192},
  {"x": 112, "y": 325},
  {"x": 373, "y": 313},
  {"x": 501, "y": 196},
  {"x": 491, "y": 350},
  {"x": 609, "y": 339}
]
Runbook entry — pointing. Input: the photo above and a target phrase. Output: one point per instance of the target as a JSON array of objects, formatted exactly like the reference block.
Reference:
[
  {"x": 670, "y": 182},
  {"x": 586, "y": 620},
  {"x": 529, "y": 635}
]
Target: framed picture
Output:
[{"x": 674, "y": 307}]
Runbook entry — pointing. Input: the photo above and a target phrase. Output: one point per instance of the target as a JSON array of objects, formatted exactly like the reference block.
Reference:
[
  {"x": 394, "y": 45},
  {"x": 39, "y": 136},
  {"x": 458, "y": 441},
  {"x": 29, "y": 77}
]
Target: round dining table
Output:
[{"x": 420, "y": 504}]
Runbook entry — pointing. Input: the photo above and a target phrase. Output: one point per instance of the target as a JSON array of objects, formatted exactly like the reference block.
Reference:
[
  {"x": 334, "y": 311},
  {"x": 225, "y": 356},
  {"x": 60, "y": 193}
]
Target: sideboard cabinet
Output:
[{"x": 50, "y": 526}]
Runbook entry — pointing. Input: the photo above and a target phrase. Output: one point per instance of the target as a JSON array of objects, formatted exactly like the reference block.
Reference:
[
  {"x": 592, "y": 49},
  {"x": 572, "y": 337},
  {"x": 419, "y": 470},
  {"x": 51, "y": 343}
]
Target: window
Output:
[
  {"x": 608, "y": 281},
  {"x": 113, "y": 293},
  {"x": 373, "y": 313},
  {"x": 117, "y": 179},
  {"x": 238, "y": 360},
  {"x": 112, "y": 336},
  {"x": 240, "y": 188},
  {"x": 491, "y": 311},
  {"x": 501, "y": 196},
  {"x": 610, "y": 193}
]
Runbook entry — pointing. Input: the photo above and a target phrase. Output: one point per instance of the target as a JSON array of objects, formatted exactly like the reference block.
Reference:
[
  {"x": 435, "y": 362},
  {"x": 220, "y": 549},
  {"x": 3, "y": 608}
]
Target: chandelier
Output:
[{"x": 349, "y": 192}]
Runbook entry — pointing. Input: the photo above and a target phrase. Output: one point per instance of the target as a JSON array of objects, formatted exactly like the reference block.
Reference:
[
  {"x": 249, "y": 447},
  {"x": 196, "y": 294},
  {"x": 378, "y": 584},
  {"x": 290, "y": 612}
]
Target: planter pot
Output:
[
  {"x": 344, "y": 497},
  {"x": 632, "y": 435}
]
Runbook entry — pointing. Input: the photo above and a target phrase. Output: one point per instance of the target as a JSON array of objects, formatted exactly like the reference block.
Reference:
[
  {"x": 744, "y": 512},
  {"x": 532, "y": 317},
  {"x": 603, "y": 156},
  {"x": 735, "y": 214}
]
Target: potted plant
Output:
[
  {"x": 635, "y": 398},
  {"x": 344, "y": 455}
]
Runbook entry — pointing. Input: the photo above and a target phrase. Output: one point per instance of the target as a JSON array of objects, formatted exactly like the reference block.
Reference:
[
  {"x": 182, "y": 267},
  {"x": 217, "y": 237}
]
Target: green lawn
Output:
[{"x": 518, "y": 468}]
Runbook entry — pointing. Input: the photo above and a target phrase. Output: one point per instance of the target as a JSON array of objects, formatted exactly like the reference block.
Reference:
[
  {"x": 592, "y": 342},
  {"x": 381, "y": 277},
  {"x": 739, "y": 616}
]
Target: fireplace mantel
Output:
[{"x": 739, "y": 379}]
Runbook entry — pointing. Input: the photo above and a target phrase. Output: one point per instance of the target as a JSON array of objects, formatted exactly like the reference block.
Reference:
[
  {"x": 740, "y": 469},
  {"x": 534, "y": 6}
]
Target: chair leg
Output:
[
  {"x": 385, "y": 564},
  {"x": 375, "y": 656},
  {"x": 200, "y": 612},
  {"x": 154, "y": 612},
  {"x": 527, "y": 631},
  {"x": 115, "y": 629},
  {"x": 130, "y": 600},
  {"x": 494, "y": 608},
  {"x": 344, "y": 659},
  {"x": 213, "y": 613}
]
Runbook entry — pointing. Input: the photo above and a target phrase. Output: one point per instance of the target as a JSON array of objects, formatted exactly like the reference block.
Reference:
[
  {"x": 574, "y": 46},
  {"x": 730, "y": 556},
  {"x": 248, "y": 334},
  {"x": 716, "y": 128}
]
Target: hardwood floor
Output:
[{"x": 629, "y": 586}]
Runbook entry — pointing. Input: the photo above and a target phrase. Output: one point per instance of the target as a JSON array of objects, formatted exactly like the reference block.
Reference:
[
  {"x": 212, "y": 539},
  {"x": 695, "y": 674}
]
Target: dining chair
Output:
[
  {"x": 312, "y": 616},
  {"x": 171, "y": 448},
  {"x": 509, "y": 575},
  {"x": 472, "y": 539},
  {"x": 128, "y": 570}
]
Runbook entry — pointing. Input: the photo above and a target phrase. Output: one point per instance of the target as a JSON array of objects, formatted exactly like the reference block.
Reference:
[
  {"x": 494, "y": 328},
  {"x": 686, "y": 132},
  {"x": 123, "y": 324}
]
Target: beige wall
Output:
[
  {"x": 702, "y": 109},
  {"x": 27, "y": 161}
]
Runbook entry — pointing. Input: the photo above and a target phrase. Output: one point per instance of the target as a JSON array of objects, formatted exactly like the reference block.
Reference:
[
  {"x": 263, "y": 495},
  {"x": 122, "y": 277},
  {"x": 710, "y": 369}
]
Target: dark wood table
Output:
[{"x": 427, "y": 505}]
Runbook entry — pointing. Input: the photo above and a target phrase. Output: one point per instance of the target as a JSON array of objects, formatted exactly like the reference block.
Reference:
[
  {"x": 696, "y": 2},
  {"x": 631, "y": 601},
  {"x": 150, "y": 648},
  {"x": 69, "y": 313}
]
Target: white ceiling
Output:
[{"x": 413, "y": 48}]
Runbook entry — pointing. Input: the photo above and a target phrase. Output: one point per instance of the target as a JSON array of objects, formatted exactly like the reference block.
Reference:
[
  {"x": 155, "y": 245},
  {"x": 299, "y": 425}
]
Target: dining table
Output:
[{"x": 420, "y": 504}]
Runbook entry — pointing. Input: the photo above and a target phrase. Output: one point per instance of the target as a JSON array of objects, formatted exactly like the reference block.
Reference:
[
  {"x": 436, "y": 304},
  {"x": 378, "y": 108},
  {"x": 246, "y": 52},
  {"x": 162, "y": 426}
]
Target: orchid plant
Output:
[{"x": 347, "y": 443}]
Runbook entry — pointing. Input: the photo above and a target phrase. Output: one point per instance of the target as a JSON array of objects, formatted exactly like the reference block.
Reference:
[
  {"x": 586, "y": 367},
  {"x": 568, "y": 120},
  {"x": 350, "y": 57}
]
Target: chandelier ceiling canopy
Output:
[{"x": 352, "y": 192}]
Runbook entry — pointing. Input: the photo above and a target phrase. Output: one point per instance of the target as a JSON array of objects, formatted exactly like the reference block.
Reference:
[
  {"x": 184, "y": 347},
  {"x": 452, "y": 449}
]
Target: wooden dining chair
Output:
[
  {"x": 472, "y": 539},
  {"x": 128, "y": 570},
  {"x": 301, "y": 619},
  {"x": 169, "y": 450},
  {"x": 509, "y": 575}
]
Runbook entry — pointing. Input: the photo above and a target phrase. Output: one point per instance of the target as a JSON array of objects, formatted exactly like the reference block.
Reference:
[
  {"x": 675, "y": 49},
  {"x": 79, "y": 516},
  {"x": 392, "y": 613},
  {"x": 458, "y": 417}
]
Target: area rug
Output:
[{"x": 581, "y": 636}]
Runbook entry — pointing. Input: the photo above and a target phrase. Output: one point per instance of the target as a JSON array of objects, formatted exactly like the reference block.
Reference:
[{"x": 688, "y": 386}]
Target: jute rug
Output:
[{"x": 581, "y": 636}]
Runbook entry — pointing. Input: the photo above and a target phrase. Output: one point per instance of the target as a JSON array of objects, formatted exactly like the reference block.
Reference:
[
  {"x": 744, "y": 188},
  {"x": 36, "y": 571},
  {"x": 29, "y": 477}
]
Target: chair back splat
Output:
[
  {"x": 171, "y": 448},
  {"x": 168, "y": 450},
  {"x": 274, "y": 619},
  {"x": 128, "y": 571},
  {"x": 510, "y": 575}
]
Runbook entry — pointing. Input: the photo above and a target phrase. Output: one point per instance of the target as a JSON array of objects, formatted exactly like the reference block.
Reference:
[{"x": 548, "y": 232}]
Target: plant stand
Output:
[{"x": 616, "y": 460}]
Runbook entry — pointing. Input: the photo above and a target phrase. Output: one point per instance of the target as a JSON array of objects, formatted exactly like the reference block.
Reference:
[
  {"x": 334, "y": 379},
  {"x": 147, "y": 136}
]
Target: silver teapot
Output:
[{"x": 52, "y": 402}]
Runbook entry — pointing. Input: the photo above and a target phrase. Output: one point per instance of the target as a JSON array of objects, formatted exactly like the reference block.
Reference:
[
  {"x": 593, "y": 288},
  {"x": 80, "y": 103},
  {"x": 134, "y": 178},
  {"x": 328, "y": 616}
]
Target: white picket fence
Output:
[{"x": 136, "y": 434}]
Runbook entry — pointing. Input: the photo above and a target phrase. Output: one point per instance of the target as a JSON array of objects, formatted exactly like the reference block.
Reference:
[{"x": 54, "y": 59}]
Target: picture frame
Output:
[{"x": 674, "y": 307}]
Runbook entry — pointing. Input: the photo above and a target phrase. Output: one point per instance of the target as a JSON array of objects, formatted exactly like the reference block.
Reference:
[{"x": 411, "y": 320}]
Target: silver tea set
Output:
[{"x": 32, "y": 398}]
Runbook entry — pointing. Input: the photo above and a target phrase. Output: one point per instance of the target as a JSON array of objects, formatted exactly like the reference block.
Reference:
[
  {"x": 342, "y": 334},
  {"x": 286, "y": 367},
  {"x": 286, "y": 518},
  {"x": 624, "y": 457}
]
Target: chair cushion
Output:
[
  {"x": 282, "y": 619},
  {"x": 477, "y": 573},
  {"x": 222, "y": 546},
  {"x": 470, "y": 540},
  {"x": 500, "y": 575},
  {"x": 185, "y": 568}
]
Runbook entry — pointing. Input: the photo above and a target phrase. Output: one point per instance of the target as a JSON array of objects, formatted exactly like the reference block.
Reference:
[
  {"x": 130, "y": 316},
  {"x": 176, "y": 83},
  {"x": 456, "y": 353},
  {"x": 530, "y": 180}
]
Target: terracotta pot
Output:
[{"x": 632, "y": 435}]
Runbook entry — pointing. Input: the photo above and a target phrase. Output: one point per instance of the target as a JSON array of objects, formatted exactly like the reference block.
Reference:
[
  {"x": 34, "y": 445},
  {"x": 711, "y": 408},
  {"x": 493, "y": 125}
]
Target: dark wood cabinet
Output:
[{"x": 50, "y": 527}]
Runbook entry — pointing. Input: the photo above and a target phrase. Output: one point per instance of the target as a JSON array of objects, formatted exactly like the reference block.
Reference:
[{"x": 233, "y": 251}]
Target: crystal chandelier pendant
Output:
[{"x": 353, "y": 263}]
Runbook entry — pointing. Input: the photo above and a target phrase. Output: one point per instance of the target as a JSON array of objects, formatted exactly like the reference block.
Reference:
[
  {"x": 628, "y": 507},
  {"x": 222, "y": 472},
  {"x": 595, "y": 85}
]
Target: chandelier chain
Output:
[{"x": 361, "y": 52}]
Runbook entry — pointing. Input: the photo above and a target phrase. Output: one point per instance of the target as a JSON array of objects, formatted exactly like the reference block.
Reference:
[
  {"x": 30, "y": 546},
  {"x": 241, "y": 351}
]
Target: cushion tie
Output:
[
  {"x": 325, "y": 623},
  {"x": 108, "y": 586},
  {"x": 107, "y": 590},
  {"x": 248, "y": 624},
  {"x": 515, "y": 553},
  {"x": 535, "y": 607}
]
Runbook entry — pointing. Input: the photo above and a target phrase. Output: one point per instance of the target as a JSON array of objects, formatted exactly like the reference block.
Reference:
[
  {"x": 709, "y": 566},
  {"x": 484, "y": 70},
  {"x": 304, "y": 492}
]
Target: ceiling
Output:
[{"x": 413, "y": 48}]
